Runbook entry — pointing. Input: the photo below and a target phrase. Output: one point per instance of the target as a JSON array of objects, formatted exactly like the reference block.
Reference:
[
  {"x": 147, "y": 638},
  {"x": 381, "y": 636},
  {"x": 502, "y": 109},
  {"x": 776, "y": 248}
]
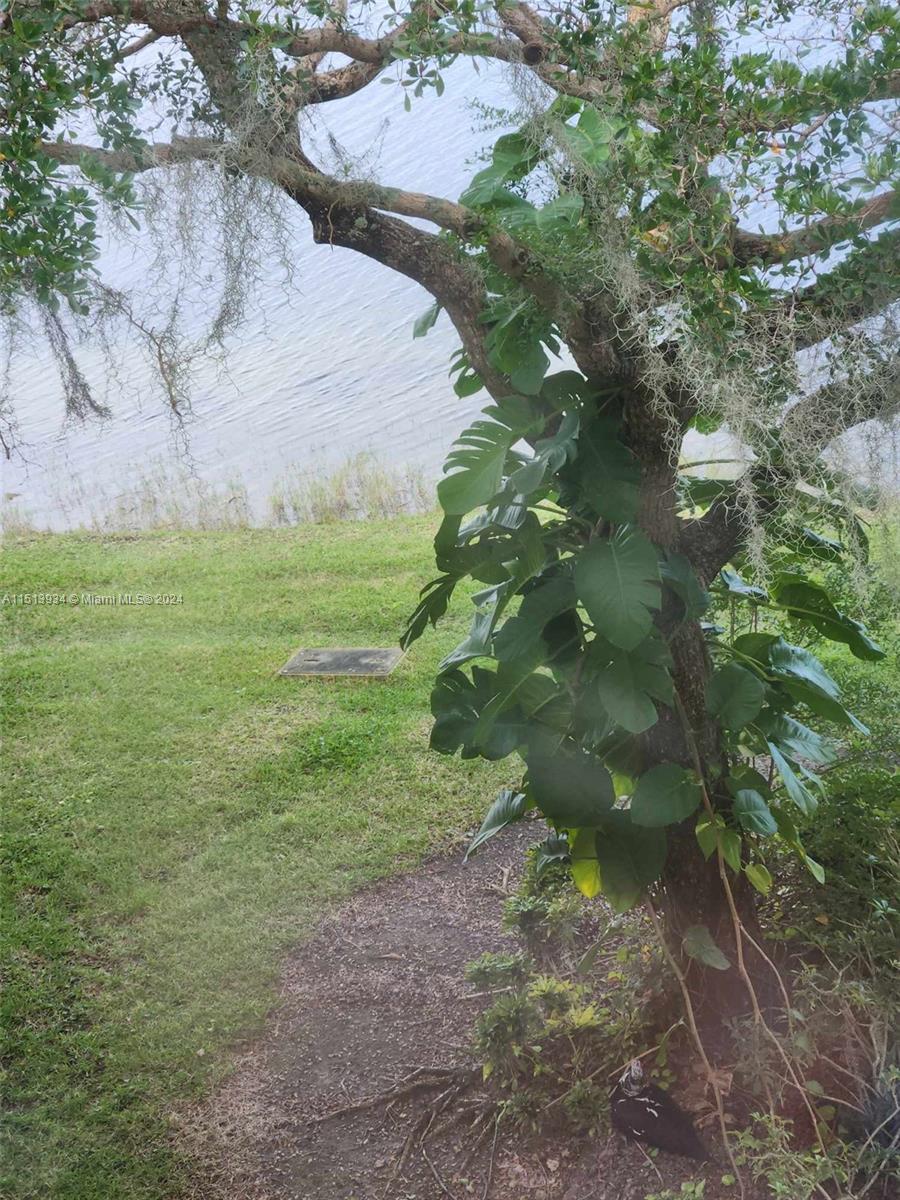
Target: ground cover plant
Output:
[{"x": 176, "y": 815}]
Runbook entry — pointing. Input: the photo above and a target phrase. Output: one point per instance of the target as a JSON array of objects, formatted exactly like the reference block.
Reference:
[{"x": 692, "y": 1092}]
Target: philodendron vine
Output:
[{"x": 568, "y": 661}]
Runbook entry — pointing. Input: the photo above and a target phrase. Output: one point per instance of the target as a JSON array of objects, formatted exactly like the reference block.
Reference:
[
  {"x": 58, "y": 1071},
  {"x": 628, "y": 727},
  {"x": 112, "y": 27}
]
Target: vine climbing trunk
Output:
[{"x": 692, "y": 887}]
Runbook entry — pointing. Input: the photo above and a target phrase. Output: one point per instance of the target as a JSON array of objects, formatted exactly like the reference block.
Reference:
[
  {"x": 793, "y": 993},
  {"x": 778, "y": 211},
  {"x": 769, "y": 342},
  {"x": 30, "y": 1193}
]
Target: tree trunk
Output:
[{"x": 692, "y": 889}]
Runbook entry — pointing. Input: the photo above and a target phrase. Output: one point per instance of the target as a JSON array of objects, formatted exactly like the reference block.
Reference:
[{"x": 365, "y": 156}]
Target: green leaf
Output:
[
  {"x": 584, "y": 865},
  {"x": 589, "y": 139},
  {"x": 730, "y": 841},
  {"x": 816, "y": 546},
  {"x": 435, "y": 598},
  {"x": 815, "y": 869},
  {"x": 608, "y": 475},
  {"x": 572, "y": 790},
  {"x": 476, "y": 645},
  {"x": 796, "y": 739},
  {"x": 808, "y": 602},
  {"x": 744, "y": 776},
  {"x": 520, "y": 638},
  {"x": 561, "y": 213},
  {"x": 619, "y": 689},
  {"x": 734, "y": 695},
  {"x": 678, "y": 575},
  {"x": 801, "y": 796},
  {"x": 514, "y": 156},
  {"x": 794, "y": 662},
  {"x": 698, "y": 944},
  {"x": 426, "y": 320},
  {"x": 477, "y": 464},
  {"x": 824, "y": 706},
  {"x": 759, "y": 877},
  {"x": 630, "y": 859},
  {"x": 530, "y": 369},
  {"x": 617, "y": 580},
  {"x": 753, "y": 813},
  {"x": 664, "y": 795},
  {"x": 707, "y": 833},
  {"x": 458, "y": 705},
  {"x": 551, "y": 850},
  {"x": 745, "y": 591},
  {"x": 509, "y": 806},
  {"x": 549, "y": 455}
]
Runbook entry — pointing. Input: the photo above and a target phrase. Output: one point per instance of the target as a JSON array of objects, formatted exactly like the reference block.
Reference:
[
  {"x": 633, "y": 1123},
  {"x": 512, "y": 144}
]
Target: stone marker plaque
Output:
[{"x": 376, "y": 664}]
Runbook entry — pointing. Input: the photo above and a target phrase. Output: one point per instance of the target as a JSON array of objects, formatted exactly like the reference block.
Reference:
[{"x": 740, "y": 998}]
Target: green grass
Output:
[{"x": 177, "y": 815}]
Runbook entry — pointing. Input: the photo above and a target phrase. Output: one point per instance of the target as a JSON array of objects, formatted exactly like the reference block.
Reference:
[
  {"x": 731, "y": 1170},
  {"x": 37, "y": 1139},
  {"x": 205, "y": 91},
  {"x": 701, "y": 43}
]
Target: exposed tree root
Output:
[{"x": 422, "y": 1079}]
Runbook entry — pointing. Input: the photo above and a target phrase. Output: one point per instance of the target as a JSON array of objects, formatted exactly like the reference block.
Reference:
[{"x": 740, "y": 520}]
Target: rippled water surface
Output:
[{"x": 319, "y": 371}]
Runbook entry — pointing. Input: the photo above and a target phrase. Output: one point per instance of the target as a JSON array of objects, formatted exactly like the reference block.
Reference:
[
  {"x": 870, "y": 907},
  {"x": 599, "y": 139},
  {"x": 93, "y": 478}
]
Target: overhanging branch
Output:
[
  {"x": 809, "y": 427},
  {"x": 815, "y": 238}
]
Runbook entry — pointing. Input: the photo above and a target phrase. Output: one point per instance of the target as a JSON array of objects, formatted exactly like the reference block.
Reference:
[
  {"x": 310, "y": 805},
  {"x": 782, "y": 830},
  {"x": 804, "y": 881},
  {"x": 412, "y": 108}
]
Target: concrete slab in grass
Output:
[{"x": 371, "y": 663}]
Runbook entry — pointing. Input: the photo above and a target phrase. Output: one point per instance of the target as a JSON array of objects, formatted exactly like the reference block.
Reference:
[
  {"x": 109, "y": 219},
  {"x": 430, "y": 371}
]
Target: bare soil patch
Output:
[{"x": 378, "y": 1001}]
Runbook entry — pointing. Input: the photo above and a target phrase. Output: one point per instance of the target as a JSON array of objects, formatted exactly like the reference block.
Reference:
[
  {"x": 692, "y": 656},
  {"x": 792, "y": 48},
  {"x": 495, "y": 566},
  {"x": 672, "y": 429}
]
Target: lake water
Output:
[{"x": 319, "y": 371}]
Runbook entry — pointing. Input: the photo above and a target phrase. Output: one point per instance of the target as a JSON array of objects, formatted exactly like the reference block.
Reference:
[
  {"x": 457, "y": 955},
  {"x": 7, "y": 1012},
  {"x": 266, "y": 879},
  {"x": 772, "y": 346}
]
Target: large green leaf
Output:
[
  {"x": 796, "y": 739},
  {"x": 815, "y": 545},
  {"x": 806, "y": 680},
  {"x": 664, "y": 795},
  {"x": 458, "y": 704},
  {"x": 630, "y": 859},
  {"x": 514, "y": 347},
  {"x": 476, "y": 463},
  {"x": 520, "y": 638},
  {"x": 476, "y": 645},
  {"x": 800, "y": 794},
  {"x": 737, "y": 587},
  {"x": 786, "y": 660},
  {"x": 584, "y": 864},
  {"x": 617, "y": 580},
  {"x": 620, "y": 693},
  {"x": 432, "y": 606},
  {"x": 808, "y": 602},
  {"x": 698, "y": 943},
  {"x": 753, "y": 813},
  {"x": 589, "y": 139},
  {"x": 549, "y": 455},
  {"x": 678, "y": 575},
  {"x": 734, "y": 695},
  {"x": 608, "y": 476},
  {"x": 509, "y": 806},
  {"x": 514, "y": 155},
  {"x": 824, "y": 706},
  {"x": 572, "y": 789}
]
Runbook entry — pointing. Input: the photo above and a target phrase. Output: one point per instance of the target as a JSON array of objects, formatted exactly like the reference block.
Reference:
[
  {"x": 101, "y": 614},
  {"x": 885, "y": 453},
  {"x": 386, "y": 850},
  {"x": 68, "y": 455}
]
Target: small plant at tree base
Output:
[
  {"x": 691, "y": 1189},
  {"x": 498, "y": 970},
  {"x": 553, "y": 1038}
]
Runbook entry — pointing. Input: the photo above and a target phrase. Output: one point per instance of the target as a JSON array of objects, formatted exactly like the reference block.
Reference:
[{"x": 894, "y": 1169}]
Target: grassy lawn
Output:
[{"x": 177, "y": 815}]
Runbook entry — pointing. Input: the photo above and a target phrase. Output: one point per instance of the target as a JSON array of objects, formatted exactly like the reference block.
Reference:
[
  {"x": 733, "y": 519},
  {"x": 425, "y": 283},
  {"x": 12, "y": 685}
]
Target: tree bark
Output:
[{"x": 692, "y": 889}]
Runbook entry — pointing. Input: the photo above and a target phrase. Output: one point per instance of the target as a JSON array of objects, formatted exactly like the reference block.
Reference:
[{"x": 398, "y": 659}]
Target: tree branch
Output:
[
  {"x": 319, "y": 189},
  {"x": 815, "y": 238},
  {"x": 137, "y": 45},
  {"x": 809, "y": 426},
  {"x": 824, "y": 415},
  {"x": 857, "y": 289}
]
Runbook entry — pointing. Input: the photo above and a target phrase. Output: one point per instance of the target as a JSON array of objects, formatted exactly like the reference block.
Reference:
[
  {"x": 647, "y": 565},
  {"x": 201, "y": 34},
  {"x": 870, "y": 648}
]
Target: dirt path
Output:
[{"x": 378, "y": 995}]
